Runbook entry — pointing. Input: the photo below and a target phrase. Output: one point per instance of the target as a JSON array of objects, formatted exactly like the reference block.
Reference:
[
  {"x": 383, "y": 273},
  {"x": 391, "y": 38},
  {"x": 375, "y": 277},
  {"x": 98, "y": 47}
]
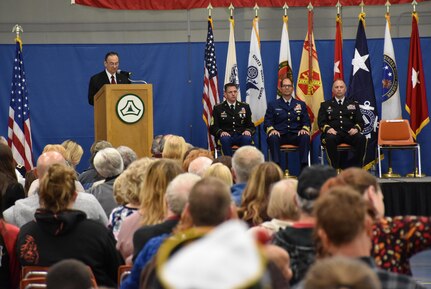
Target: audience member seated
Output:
[
  {"x": 298, "y": 239},
  {"x": 344, "y": 228},
  {"x": 255, "y": 198},
  {"x": 19, "y": 168},
  {"x": 60, "y": 232},
  {"x": 52, "y": 148},
  {"x": 282, "y": 208},
  {"x": 109, "y": 165},
  {"x": 174, "y": 148},
  {"x": 341, "y": 272},
  {"x": 90, "y": 175},
  {"x": 393, "y": 241},
  {"x": 156, "y": 150},
  {"x": 126, "y": 192},
  {"x": 193, "y": 154},
  {"x": 9, "y": 265},
  {"x": 23, "y": 210},
  {"x": 128, "y": 155},
  {"x": 243, "y": 161},
  {"x": 199, "y": 166},
  {"x": 226, "y": 160},
  {"x": 221, "y": 172},
  {"x": 152, "y": 209},
  {"x": 209, "y": 206},
  {"x": 69, "y": 274},
  {"x": 177, "y": 194},
  {"x": 74, "y": 152},
  {"x": 10, "y": 189}
]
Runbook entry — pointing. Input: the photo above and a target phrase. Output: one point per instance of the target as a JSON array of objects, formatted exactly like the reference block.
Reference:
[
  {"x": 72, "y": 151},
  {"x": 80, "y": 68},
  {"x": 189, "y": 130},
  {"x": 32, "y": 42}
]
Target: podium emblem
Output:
[{"x": 130, "y": 108}]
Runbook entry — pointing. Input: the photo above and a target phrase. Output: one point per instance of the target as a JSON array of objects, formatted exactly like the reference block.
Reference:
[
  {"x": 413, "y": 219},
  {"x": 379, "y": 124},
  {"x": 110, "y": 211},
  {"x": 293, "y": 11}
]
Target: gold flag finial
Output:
[
  {"x": 338, "y": 6},
  {"x": 17, "y": 29},
  {"x": 210, "y": 8},
  {"x": 414, "y": 3},
  {"x": 231, "y": 8},
  {"x": 285, "y": 7},
  {"x": 388, "y": 6},
  {"x": 256, "y": 9},
  {"x": 310, "y": 7}
]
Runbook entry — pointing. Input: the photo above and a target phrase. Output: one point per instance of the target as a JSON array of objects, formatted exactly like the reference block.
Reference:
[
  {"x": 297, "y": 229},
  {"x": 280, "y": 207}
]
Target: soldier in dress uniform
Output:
[
  {"x": 340, "y": 121},
  {"x": 287, "y": 122},
  {"x": 231, "y": 121}
]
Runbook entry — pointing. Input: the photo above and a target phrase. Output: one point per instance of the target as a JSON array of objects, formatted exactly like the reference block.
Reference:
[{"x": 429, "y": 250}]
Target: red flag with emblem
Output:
[
  {"x": 416, "y": 96},
  {"x": 309, "y": 87}
]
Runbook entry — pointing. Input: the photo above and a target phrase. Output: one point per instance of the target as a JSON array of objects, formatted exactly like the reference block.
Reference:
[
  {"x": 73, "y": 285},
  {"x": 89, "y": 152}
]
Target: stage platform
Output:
[{"x": 407, "y": 196}]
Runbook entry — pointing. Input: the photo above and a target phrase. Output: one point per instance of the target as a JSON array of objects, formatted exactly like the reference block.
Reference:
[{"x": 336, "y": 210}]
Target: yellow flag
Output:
[{"x": 309, "y": 87}]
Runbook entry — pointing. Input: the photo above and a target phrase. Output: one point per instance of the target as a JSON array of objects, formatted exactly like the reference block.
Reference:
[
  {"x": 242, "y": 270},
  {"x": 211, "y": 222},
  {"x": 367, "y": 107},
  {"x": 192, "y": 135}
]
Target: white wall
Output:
[{"x": 57, "y": 21}]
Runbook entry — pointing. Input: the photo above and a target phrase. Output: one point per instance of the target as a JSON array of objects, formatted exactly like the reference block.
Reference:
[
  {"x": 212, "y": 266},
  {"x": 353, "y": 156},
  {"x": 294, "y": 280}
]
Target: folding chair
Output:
[
  {"x": 340, "y": 148},
  {"x": 123, "y": 272},
  {"x": 397, "y": 134}
]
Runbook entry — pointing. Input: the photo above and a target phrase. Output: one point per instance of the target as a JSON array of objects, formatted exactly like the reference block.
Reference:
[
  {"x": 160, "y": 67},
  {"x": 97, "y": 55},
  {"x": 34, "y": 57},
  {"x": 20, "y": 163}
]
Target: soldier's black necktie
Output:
[
  {"x": 340, "y": 102},
  {"x": 232, "y": 107}
]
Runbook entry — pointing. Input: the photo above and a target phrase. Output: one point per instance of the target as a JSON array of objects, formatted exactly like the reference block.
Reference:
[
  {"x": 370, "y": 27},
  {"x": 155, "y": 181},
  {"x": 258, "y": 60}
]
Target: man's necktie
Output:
[
  {"x": 340, "y": 102},
  {"x": 113, "y": 80},
  {"x": 232, "y": 107}
]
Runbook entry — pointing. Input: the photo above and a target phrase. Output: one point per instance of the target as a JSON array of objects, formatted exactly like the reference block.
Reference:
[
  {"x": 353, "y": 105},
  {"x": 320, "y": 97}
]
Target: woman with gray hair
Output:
[{"x": 109, "y": 164}]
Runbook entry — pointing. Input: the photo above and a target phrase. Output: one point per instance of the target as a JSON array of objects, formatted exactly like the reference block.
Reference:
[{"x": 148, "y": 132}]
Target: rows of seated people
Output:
[{"x": 182, "y": 219}]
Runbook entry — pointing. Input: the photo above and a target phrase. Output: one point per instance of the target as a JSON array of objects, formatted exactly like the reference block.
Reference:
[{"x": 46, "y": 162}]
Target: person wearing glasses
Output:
[
  {"x": 287, "y": 122},
  {"x": 110, "y": 75}
]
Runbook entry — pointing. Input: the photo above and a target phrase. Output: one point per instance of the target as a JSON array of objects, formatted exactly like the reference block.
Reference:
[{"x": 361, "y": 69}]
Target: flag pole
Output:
[{"x": 259, "y": 127}]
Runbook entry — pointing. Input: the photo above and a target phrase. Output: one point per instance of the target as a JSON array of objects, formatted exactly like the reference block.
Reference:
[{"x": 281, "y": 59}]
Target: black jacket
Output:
[
  {"x": 231, "y": 121},
  {"x": 99, "y": 80},
  {"x": 340, "y": 118},
  {"x": 69, "y": 234}
]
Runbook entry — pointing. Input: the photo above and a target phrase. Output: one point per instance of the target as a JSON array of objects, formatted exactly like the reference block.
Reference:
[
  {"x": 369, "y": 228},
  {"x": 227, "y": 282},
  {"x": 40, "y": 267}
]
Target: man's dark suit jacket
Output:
[{"x": 99, "y": 80}]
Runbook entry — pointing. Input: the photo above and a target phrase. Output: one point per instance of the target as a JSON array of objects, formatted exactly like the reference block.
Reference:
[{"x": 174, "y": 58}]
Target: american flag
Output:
[
  {"x": 210, "y": 94},
  {"x": 19, "y": 131}
]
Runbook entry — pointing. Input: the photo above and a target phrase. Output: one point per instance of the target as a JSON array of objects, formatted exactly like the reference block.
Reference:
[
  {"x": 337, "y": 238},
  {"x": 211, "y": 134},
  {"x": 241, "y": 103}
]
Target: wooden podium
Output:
[{"x": 123, "y": 115}]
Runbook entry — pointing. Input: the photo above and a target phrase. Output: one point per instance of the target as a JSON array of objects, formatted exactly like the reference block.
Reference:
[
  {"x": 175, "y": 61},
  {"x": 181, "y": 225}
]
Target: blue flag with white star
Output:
[{"x": 361, "y": 89}]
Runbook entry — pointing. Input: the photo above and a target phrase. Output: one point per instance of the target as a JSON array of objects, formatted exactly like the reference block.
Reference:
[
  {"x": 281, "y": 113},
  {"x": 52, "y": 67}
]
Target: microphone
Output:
[
  {"x": 123, "y": 72},
  {"x": 128, "y": 75}
]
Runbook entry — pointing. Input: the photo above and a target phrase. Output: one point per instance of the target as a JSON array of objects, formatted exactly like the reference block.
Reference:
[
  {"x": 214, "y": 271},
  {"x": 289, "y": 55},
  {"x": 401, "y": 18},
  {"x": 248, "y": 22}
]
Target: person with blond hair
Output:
[
  {"x": 60, "y": 232},
  {"x": 255, "y": 199},
  {"x": 152, "y": 207},
  {"x": 174, "y": 148},
  {"x": 126, "y": 193},
  {"x": 221, "y": 172},
  {"x": 282, "y": 208},
  {"x": 73, "y": 152}
]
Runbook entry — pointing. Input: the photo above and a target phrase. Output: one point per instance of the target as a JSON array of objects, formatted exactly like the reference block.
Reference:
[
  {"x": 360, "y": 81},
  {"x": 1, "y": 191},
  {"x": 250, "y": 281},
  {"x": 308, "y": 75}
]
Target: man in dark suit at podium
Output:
[{"x": 110, "y": 75}]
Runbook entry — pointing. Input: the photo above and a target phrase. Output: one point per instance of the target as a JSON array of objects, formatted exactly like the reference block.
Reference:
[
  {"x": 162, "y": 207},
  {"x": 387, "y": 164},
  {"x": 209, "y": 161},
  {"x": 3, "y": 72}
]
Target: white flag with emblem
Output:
[
  {"x": 391, "y": 103},
  {"x": 256, "y": 96},
  {"x": 231, "y": 74}
]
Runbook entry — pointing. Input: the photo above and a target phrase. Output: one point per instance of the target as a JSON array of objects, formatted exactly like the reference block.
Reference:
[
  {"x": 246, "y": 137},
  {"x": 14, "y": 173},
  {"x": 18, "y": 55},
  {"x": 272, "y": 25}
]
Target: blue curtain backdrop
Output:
[{"x": 58, "y": 77}]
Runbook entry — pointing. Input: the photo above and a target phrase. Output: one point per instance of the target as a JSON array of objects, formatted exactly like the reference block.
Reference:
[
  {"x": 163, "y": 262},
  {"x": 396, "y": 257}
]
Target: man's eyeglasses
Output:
[{"x": 287, "y": 85}]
